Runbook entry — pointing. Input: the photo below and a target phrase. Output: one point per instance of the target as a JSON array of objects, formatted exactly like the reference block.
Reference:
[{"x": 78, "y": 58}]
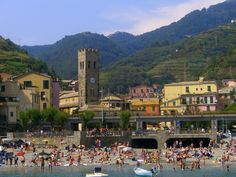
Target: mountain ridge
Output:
[
  {"x": 120, "y": 46},
  {"x": 210, "y": 54},
  {"x": 65, "y": 51}
]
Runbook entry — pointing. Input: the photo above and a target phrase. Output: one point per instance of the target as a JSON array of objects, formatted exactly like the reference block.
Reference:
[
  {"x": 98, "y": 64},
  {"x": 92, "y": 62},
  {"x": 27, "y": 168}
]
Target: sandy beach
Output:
[{"x": 120, "y": 155}]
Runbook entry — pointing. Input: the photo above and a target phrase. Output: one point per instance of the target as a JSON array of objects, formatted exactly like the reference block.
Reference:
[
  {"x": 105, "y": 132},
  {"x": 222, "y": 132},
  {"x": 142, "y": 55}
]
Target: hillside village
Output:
[
  {"x": 39, "y": 91},
  {"x": 176, "y": 70},
  {"x": 146, "y": 102}
]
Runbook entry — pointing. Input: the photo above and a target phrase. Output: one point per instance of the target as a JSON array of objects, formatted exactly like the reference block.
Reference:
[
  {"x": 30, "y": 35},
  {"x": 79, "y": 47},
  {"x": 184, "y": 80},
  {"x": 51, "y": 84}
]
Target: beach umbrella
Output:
[{"x": 20, "y": 153}]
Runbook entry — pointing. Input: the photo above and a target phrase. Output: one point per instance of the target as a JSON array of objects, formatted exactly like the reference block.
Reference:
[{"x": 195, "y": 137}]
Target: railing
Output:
[
  {"x": 146, "y": 132},
  {"x": 43, "y": 134},
  {"x": 191, "y": 131},
  {"x": 105, "y": 133},
  {"x": 170, "y": 132}
]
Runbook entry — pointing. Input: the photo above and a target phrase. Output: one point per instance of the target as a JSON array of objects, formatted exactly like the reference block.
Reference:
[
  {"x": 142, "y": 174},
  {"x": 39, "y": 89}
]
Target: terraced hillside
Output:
[
  {"x": 14, "y": 60},
  {"x": 202, "y": 55},
  {"x": 210, "y": 54}
]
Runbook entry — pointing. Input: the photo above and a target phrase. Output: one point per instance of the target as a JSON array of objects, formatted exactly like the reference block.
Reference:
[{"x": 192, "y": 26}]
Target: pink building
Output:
[
  {"x": 55, "y": 93},
  {"x": 229, "y": 82},
  {"x": 141, "y": 91},
  {"x": 199, "y": 103}
]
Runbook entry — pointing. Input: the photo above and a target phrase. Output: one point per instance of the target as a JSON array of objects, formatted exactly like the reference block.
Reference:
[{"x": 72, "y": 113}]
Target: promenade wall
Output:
[{"x": 76, "y": 137}]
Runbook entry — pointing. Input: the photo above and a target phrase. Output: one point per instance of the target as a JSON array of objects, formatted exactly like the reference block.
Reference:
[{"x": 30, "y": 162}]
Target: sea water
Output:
[{"x": 114, "y": 171}]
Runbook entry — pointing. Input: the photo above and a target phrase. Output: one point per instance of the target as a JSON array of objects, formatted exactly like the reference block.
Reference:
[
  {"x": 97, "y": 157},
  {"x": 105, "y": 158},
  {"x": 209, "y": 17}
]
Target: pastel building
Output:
[
  {"x": 191, "y": 97},
  {"x": 42, "y": 84},
  {"x": 146, "y": 106},
  {"x": 14, "y": 99},
  {"x": 9, "y": 102},
  {"x": 5, "y": 77},
  {"x": 69, "y": 101},
  {"x": 55, "y": 93},
  {"x": 229, "y": 82},
  {"x": 113, "y": 102},
  {"x": 141, "y": 91},
  {"x": 227, "y": 96},
  {"x": 29, "y": 98}
]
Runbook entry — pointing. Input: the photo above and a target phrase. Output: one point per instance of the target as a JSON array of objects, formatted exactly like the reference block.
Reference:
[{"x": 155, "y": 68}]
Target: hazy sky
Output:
[{"x": 35, "y": 22}]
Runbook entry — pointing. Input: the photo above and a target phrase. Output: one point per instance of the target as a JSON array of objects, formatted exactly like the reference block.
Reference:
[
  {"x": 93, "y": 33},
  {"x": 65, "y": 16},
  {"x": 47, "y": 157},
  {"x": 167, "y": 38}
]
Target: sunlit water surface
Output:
[{"x": 113, "y": 171}]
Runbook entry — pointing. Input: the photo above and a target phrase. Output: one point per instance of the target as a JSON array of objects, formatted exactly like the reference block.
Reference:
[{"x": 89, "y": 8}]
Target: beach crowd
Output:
[{"x": 189, "y": 157}]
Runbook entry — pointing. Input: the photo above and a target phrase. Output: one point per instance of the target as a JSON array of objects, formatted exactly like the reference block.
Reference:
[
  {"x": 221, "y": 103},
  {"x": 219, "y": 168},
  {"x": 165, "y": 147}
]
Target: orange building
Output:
[{"x": 148, "y": 106}]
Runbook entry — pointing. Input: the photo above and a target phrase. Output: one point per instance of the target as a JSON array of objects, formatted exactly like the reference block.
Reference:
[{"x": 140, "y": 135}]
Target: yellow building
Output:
[
  {"x": 42, "y": 84},
  {"x": 29, "y": 99},
  {"x": 180, "y": 97},
  {"x": 114, "y": 102},
  {"x": 69, "y": 101}
]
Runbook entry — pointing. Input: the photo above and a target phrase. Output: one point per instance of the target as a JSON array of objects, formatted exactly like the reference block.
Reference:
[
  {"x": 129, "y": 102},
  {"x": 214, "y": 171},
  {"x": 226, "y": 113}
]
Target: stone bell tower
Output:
[{"x": 88, "y": 76}]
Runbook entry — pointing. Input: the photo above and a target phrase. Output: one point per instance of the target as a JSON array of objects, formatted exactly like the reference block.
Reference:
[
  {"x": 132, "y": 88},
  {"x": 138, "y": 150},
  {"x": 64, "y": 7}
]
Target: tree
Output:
[
  {"x": 24, "y": 120},
  {"x": 34, "y": 116},
  {"x": 86, "y": 117},
  {"x": 61, "y": 118},
  {"x": 49, "y": 115},
  {"x": 124, "y": 119}
]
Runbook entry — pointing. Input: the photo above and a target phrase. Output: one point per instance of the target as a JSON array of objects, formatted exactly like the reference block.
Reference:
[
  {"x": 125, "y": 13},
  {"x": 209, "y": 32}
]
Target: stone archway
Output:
[{"x": 146, "y": 143}]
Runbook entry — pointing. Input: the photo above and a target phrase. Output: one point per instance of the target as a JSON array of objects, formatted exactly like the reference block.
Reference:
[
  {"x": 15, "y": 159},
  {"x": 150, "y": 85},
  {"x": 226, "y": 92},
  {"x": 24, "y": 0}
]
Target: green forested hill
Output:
[
  {"x": 193, "y": 23},
  {"x": 121, "y": 44},
  {"x": 14, "y": 60},
  {"x": 211, "y": 54},
  {"x": 65, "y": 52}
]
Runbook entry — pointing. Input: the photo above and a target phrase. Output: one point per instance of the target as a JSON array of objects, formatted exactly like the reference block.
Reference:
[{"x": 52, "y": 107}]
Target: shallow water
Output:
[{"x": 113, "y": 171}]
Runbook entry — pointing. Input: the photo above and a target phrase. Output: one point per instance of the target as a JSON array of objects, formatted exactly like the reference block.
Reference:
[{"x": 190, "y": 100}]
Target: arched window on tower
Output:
[
  {"x": 82, "y": 65},
  {"x": 88, "y": 64},
  {"x": 94, "y": 65}
]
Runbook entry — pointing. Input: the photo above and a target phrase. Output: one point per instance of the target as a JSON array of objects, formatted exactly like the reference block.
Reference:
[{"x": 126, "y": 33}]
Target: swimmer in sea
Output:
[{"x": 227, "y": 168}]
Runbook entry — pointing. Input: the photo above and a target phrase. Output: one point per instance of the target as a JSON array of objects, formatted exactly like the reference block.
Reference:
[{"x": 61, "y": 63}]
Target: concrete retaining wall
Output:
[
  {"x": 78, "y": 138},
  {"x": 105, "y": 140}
]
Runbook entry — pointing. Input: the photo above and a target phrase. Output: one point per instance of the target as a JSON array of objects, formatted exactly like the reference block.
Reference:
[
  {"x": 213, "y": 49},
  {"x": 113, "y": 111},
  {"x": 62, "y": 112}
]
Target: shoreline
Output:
[{"x": 120, "y": 156}]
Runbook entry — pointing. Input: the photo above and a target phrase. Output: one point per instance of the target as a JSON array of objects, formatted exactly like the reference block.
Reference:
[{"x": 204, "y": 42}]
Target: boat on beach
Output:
[
  {"x": 97, "y": 173},
  {"x": 142, "y": 172}
]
